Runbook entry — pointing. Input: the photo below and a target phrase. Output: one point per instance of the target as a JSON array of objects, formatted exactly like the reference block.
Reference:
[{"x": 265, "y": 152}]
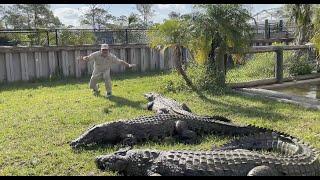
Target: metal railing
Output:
[
  {"x": 48, "y": 37},
  {"x": 59, "y": 36}
]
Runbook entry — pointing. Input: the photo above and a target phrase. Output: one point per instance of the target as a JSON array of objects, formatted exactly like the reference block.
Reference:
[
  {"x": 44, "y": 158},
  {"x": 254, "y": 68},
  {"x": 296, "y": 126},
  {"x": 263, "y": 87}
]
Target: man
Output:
[{"x": 103, "y": 61}]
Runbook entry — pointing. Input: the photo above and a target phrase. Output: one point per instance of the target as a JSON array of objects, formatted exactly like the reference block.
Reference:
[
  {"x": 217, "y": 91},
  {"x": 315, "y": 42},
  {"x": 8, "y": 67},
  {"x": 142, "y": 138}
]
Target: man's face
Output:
[{"x": 104, "y": 52}]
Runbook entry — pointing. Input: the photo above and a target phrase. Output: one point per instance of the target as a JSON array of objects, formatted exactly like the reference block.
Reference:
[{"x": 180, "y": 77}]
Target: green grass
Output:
[
  {"x": 259, "y": 66},
  {"x": 38, "y": 120}
]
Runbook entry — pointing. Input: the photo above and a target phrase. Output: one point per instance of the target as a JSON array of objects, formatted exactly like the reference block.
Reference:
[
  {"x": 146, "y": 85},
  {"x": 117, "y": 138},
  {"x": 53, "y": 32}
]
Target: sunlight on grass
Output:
[{"x": 38, "y": 120}]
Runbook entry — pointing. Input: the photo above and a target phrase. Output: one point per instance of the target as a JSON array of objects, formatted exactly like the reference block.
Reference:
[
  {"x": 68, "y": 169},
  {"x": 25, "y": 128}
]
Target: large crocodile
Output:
[
  {"x": 163, "y": 105},
  {"x": 299, "y": 159},
  {"x": 160, "y": 126}
]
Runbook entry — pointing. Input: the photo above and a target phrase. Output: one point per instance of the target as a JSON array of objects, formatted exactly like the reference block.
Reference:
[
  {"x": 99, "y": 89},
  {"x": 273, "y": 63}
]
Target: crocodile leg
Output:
[
  {"x": 151, "y": 173},
  {"x": 185, "y": 107},
  {"x": 129, "y": 140},
  {"x": 263, "y": 171},
  {"x": 184, "y": 133},
  {"x": 220, "y": 118},
  {"x": 150, "y": 105},
  {"x": 162, "y": 111}
]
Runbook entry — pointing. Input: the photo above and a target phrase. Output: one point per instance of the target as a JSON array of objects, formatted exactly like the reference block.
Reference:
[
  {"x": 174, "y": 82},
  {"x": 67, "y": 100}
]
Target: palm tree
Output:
[
  {"x": 223, "y": 26},
  {"x": 301, "y": 16},
  {"x": 174, "y": 34}
]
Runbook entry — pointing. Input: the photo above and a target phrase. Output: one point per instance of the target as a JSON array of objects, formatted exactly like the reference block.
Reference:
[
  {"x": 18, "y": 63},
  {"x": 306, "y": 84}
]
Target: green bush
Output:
[
  {"x": 199, "y": 76},
  {"x": 300, "y": 67}
]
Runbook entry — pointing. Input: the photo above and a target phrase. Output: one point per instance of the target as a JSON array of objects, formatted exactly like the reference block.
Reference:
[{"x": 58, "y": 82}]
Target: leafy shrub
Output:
[
  {"x": 198, "y": 74},
  {"x": 300, "y": 67}
]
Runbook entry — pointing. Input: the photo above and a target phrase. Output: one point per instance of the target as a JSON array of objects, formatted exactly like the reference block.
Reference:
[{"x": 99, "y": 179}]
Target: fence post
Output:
[
  {"x": 126, "y": 36},
  {"x": 266, "y": 29},
  {"x": 56, "y": 37},
  {"x": 48, "y": 39},
  {"x": 281, "y": 25},
  {"x": 279, "y": 65}
]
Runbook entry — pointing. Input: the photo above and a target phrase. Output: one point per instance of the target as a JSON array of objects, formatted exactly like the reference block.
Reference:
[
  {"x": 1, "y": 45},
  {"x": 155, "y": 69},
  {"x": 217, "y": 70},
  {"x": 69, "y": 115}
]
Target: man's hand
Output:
[
  {"x": 132, "y": 65},
  {"x": 83, "y": 58}
]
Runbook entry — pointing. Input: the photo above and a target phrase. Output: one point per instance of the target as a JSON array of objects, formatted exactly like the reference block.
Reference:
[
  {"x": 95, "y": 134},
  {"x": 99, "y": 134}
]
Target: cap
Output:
[{"x": 104, "y": 46}]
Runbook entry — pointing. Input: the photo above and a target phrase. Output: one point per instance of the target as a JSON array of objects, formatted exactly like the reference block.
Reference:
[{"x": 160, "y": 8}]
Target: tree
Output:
[
  {"x": 301, "y": 15},
  {"x": 146, "y": 12},
  {"x": 96, "y": 16},
  {"x": 122, "y": 21},
  {"x": 134, "y": 21},
  {"x": 174, "y": 15},
  {"x": 173, "y": 33},
  {"x": 131, "y": 21},
  {"x": 69, "y": 37},
  {"x": 316, "y": 36},
  {"x": 2, "y": 11},
  {"x": 31, "y": 16},
  {"x": 223, "y": 26}
]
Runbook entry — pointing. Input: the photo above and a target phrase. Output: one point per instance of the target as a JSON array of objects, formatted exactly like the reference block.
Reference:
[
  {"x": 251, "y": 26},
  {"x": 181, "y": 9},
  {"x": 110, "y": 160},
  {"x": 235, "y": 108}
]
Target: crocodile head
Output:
[
  {"x": 104, "y": 133},
  {"x": 117, "y": 161},
  {"x": 127, "y": 162},
  {"x": 151, "y": 96}
]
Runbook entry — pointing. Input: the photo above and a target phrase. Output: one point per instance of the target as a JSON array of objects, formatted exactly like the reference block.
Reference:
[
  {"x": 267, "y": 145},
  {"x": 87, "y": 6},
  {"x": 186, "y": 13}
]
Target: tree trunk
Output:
[{"x": 178, "y": 65}]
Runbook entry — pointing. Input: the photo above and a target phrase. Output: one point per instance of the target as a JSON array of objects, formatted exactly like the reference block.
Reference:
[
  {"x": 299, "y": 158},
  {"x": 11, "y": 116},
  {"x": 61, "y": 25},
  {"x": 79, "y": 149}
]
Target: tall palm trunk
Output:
[
  {"x": 301, "y": 13},
  {"x": 178, "y": 64}
]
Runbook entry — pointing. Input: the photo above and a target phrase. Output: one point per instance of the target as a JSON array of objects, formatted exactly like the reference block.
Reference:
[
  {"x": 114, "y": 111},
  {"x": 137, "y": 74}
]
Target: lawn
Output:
[{"x": 38, "y": 120}]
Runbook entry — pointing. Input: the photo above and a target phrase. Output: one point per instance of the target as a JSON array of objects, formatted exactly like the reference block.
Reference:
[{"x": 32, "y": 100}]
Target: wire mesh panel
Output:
[
  {"x": 137, "y": 36},
  {"x": 250, "y": 67},
  {"x": 45, "y": 37}
]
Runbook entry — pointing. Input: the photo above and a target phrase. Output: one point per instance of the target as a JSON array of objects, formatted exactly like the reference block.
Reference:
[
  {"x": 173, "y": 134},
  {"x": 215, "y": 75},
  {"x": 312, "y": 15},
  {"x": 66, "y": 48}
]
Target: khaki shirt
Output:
[{"x": 103, "y": 63}]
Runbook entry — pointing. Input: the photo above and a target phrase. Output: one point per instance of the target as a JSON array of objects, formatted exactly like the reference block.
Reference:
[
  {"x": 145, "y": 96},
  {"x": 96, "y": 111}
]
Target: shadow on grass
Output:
[
  {"x": 96, "y": 147},
  {"x": 167, "y": 141},
  {"x": 34, "y": 84},
  {"x": 266, "y": 112},
  {"x": 120, "y": 102}
]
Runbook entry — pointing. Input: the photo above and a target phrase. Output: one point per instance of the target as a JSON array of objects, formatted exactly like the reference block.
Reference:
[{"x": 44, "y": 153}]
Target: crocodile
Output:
[
  {"x": 163, "y": 105},
  {"x": 298, "y": 160},
  {"x": 157, "y": 127}
]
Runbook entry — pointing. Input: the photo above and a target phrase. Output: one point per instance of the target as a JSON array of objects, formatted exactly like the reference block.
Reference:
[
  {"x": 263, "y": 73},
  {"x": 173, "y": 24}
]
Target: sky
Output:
[{"x": 69, "y": 14}]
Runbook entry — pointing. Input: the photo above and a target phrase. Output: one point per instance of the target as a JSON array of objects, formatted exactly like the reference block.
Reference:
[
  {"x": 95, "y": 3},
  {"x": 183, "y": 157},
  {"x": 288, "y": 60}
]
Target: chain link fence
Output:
[
  {"x": 250, "y": 67},
  {"x": 49, "y": 37}
]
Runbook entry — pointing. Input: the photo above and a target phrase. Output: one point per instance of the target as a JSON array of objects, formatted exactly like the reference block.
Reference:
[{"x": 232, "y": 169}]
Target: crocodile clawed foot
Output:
[
  {"x": 129, "y": 141},
  {"x": 150, "y": 105},
  {"x": 185, "y": 107}
]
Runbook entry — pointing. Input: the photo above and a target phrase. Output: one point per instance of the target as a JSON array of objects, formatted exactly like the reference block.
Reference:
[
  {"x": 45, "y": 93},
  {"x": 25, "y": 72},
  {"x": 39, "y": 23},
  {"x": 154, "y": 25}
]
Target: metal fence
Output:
[{"x": 48, "y": 37}]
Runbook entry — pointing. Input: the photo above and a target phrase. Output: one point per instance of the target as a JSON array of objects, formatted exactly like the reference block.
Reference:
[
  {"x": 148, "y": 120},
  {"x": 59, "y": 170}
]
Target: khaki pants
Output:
[{"x": 97, "y": 75}]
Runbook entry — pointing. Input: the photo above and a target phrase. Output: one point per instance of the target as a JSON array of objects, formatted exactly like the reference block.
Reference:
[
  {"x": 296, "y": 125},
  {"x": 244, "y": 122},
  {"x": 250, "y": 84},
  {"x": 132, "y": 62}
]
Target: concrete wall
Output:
[{"x": 27, "y": 63}]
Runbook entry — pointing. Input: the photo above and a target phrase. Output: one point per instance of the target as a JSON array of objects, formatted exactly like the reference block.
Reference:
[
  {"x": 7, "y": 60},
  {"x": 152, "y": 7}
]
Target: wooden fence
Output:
[
  {"x": 27, "y": 63},
  {"x": 221, "y": 61}
]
